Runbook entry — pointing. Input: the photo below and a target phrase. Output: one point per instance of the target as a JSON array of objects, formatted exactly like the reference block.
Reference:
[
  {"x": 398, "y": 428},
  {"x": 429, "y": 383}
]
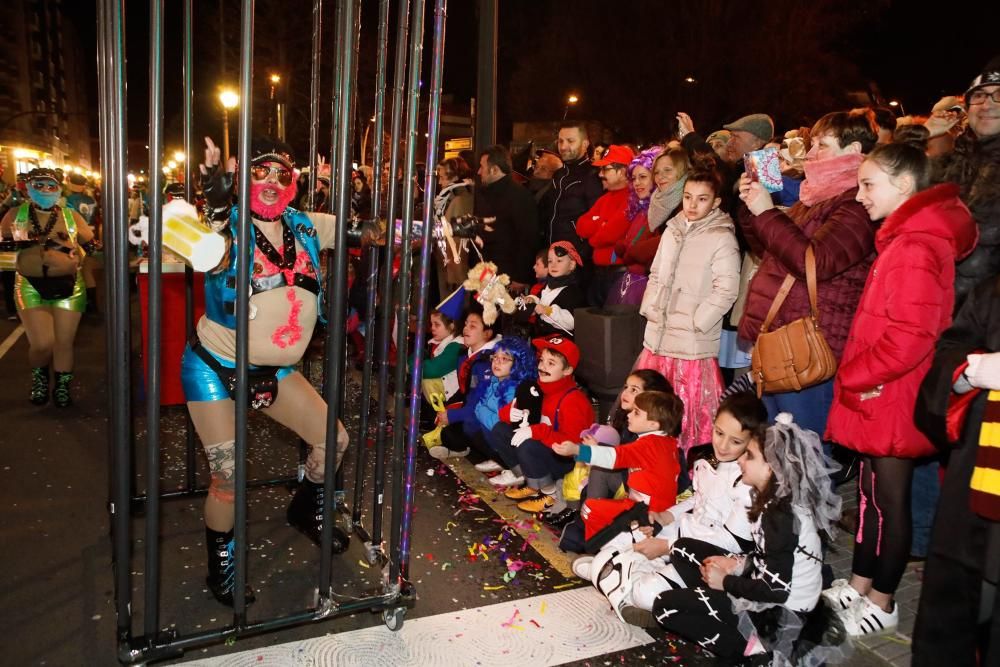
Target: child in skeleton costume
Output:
[
  {"x": 285, "y": 303},
  {"x": 49, "y": 290},
  {"x": 716, "y": 513},
  {"x": 746, "y": 605}
]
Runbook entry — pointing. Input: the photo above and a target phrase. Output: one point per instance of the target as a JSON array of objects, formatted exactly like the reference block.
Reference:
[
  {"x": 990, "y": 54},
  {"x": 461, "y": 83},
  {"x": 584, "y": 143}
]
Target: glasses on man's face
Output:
[
  {"x": 979, "y": 97},
  {"x": 45, "y": 185},
  {"x": 261, "y": 171},
  {"x": 610, "y": 167}
]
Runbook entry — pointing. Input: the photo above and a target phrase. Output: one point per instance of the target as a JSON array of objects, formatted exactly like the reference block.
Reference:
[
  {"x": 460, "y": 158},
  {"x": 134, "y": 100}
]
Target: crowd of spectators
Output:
[{"x": 898, "y": 219}]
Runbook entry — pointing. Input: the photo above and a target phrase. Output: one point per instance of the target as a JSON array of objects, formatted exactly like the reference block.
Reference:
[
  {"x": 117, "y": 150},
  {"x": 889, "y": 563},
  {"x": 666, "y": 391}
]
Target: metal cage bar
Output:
[
  {"x": 317, "y": 45},
  {"x": 385, "y": 329},
  {"x": 151, "y": 606},
  {"x": 433, "y": 128},
  {"x": 190, "y": 455},
  {"x": 337, "y": 281},
  {"x": 372, "y": 277},
  {"x": 243, "y": 241},
  {"x": 396, "y": 565}
]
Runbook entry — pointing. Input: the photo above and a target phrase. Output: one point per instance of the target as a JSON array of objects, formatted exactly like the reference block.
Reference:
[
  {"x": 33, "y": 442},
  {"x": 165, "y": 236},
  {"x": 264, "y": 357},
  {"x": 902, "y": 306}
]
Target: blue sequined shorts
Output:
[{"x": 201, "y": 383}]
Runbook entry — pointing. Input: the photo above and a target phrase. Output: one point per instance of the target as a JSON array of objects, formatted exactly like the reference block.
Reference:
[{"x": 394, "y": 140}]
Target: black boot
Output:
[
  {"x": 60, "y": 393},
  {"x": 305, "y": 513},
  {"x": 222, "y": 567},
  {"x": 40, "y": 385}
]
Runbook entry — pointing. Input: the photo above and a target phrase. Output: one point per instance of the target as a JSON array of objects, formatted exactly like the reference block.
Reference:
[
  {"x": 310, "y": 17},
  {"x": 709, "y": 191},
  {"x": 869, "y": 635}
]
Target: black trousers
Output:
[{"x": 699, "y": 613}]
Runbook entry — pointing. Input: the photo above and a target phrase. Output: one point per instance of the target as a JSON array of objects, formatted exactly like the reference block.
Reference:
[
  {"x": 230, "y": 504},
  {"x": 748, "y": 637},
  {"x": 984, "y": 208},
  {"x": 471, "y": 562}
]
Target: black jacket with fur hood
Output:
[{"x": 975, "y": 166}]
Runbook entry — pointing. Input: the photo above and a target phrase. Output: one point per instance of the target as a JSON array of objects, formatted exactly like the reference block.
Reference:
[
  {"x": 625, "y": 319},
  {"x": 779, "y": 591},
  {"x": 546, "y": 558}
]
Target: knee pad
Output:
[
  {"x": 222, "y": 465},
  {"x": 646, "y": 587}
]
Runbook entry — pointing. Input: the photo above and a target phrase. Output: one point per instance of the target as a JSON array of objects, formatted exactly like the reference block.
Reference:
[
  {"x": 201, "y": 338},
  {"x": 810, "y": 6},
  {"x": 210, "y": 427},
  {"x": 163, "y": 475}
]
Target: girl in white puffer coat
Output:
[{"x": 693, "y": 282}]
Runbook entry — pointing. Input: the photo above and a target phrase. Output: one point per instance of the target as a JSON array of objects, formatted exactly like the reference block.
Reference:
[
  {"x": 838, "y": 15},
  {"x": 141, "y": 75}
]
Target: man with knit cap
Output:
[
  {"x": 946, "y": 122},
  {"x": 974, "y": 165},
  {"x": 605, "y": 223}
]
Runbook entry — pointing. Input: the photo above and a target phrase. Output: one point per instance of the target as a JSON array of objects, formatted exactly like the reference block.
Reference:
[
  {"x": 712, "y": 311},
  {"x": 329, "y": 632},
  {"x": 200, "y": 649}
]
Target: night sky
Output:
[{"x": 794, "y": 60}]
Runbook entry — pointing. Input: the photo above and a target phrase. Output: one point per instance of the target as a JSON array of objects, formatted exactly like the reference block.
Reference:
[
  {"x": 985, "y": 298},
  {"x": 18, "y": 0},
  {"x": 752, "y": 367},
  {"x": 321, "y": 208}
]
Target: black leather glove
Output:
[{"x": 217, "y": 184}]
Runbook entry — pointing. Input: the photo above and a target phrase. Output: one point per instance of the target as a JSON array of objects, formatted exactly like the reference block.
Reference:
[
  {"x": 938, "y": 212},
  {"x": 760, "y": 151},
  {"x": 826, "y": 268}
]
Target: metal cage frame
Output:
[{"x": 152, "y": 643}]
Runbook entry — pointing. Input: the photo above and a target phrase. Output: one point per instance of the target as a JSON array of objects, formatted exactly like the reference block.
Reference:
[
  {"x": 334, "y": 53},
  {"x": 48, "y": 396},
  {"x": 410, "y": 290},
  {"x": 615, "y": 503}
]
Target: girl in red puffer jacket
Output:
[{"x": 905, "y": 306}]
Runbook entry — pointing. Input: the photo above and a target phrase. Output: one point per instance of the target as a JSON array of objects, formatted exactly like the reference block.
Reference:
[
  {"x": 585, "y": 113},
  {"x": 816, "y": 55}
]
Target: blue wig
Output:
[{"x": 525, "y": 361}]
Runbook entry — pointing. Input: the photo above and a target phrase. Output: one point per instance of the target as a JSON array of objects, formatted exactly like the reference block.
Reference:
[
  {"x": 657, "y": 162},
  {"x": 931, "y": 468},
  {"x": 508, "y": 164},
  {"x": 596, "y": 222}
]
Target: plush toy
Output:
[{"x": 490, "y": 288}]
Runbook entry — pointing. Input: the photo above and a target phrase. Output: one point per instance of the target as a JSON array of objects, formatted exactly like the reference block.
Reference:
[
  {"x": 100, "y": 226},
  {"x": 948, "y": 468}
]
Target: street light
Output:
[
  {"x": 570, "y": 101},
  {"x": 897, "y": 103},
  {"x": 276, "y": 122},
  {"x": 178, "y": 156},
  {"x": 364, "y": 138},
  {"x": 229, "y": 100}
]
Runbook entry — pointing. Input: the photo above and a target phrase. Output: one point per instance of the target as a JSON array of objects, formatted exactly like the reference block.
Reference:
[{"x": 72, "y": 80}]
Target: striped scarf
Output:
[{"x": 985, "y": 496}]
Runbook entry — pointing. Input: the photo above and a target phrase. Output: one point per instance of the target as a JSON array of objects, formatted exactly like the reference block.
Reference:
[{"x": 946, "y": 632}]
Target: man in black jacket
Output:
[
  {"x": 514, "y": 240},
  {"x": 575, "y": 188},
  {"x": 975, "y": 166}
]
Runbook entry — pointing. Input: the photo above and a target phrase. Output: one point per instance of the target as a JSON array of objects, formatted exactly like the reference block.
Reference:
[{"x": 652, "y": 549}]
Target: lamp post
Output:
[
  {"x": 570, "y": 101},
  {"x": 896, "y": 104},
  {"x": 229, "y": 100},
  {"x": 364, "y": 140},
  {"x": 276, "y": 121}
]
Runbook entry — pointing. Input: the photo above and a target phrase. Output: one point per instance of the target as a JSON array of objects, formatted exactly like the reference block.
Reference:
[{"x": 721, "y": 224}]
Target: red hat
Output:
[
  {"x": 562, "y": 345},
  {"x": 570, "y": 249},
  {"x": 615, "y": 155}
]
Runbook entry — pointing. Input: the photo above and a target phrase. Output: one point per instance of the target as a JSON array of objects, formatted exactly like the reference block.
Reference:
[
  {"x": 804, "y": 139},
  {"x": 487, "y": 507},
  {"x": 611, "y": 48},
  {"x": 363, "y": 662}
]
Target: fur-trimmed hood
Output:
[{"x": 937, "y": 211}]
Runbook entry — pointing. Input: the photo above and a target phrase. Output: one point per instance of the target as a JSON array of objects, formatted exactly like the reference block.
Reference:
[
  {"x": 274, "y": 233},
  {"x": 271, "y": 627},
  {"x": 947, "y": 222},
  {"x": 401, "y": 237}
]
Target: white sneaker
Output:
[
  {"x": 841, "y": 595},
  {"x": 581, "y": 567},
  {"x": 442, "y": 453},
  {"x": 867, "y": 619},
  {"x": 488, "y": 466},
  {"x": 507, "y": 478}
]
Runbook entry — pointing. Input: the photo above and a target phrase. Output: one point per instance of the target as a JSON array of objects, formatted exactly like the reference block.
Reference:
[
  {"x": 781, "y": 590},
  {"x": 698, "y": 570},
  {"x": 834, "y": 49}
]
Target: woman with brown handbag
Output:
[{"x": 838, "y": 229}]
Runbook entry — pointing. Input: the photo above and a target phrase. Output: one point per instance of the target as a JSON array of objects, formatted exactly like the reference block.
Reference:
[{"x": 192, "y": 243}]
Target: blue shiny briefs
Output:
[{"x": 201, "y": 383}]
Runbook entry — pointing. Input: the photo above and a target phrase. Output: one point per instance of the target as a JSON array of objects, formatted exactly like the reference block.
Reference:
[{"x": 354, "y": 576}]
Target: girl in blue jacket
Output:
[{"x": 512, "y": 362}]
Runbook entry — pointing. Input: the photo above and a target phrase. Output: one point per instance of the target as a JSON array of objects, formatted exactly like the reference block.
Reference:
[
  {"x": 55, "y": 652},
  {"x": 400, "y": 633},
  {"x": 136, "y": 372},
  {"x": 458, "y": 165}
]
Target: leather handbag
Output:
[{"x": 796, "y": 355}]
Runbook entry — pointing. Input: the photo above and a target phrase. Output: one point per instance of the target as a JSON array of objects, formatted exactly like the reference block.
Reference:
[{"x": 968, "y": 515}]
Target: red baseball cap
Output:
[
  {"x": 615, "y": 155},
  {"x": 562, "y": 345}
]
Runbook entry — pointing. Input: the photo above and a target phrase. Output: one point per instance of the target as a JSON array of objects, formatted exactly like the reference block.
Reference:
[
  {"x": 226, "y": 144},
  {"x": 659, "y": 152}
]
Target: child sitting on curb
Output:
[
  {"x": 445, "y": 351},
  {"x": 512, "y": 362},
  {"x": 527, "y": 451},
  {"x": 479, "y": 339},
  {"x": 651, "y": 460},
  {"x": 715, "y": 513}
]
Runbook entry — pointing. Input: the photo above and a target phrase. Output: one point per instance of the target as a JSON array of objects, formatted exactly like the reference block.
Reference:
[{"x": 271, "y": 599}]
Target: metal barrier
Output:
[{"x": 153, "y": 643}]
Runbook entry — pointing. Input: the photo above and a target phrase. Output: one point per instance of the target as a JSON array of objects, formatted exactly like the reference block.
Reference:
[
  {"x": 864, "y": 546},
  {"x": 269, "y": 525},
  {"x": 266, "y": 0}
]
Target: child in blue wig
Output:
[{"x": 513, "y": 361}]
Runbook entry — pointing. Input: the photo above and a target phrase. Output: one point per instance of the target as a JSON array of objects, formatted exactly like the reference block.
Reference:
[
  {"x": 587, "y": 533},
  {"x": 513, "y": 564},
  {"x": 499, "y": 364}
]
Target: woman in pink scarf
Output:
[{"x": 841, "y": 234}]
